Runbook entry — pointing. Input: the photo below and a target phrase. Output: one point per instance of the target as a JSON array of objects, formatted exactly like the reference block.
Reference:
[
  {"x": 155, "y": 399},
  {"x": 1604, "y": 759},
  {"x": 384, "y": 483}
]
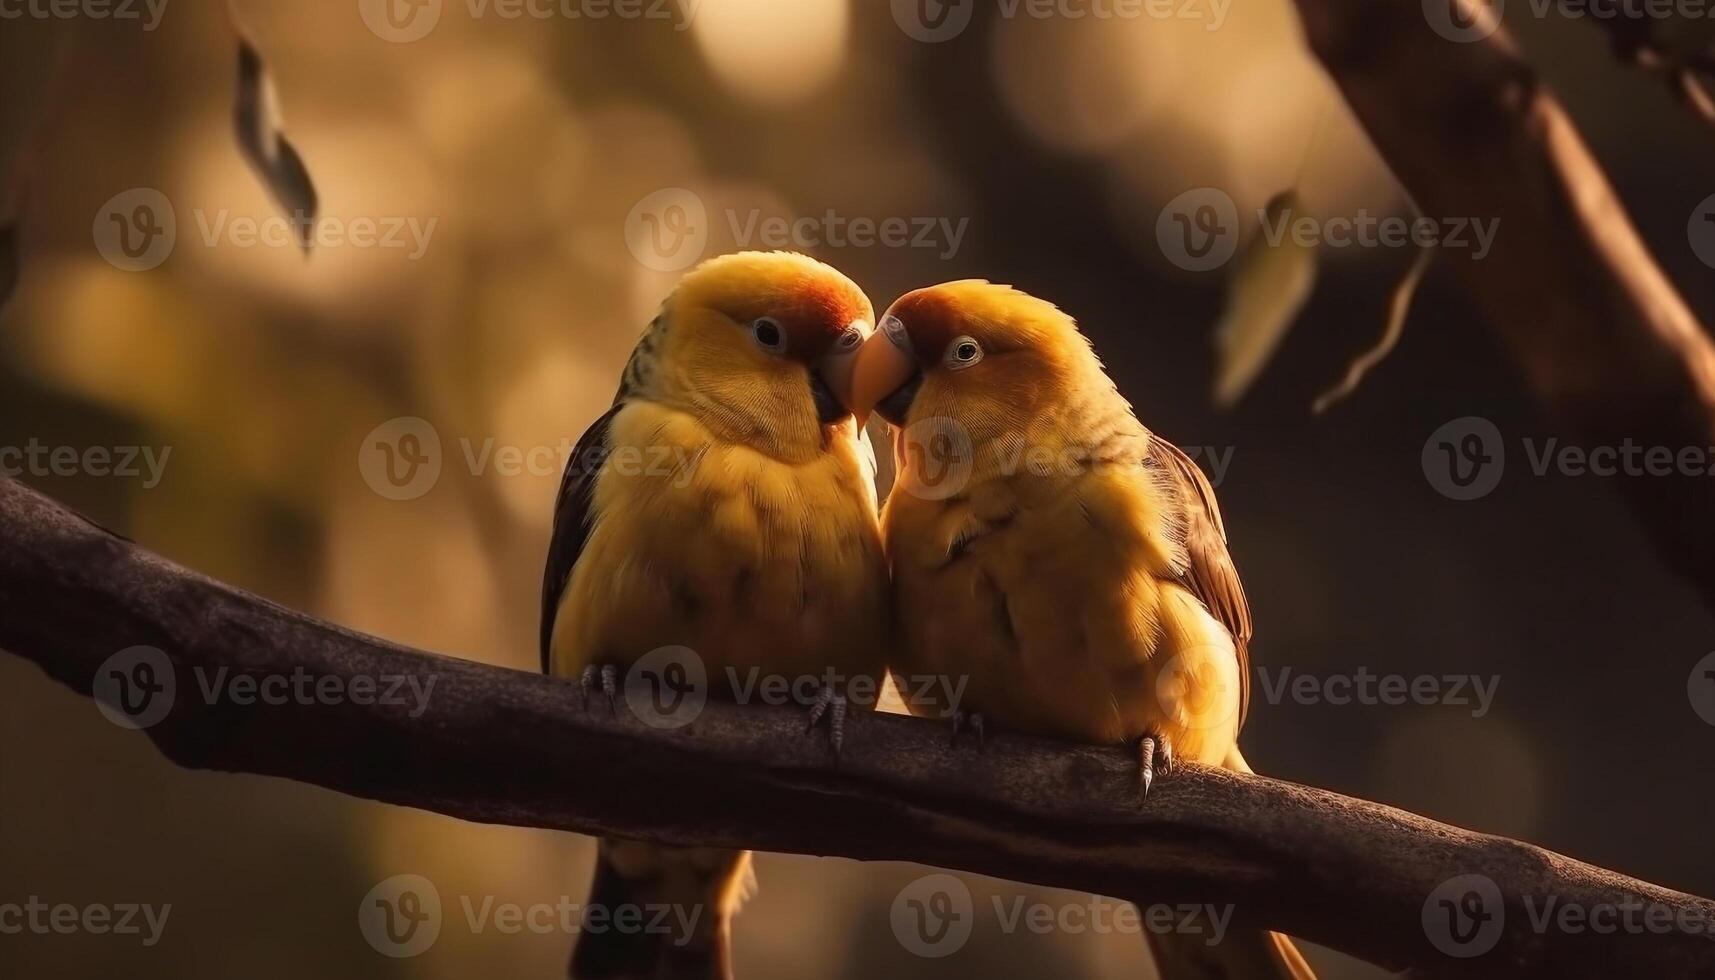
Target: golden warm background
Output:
[{"x": 528, "y": 143}]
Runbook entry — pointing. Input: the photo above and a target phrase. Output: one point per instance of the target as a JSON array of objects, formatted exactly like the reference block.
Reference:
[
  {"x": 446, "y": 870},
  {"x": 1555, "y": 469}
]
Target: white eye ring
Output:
[
  {"x": 962, "y": 353},
  {"x": 895, "y": 330},
  {"x": 849, "y": 341},
  {"x": 768, "y": 334}
]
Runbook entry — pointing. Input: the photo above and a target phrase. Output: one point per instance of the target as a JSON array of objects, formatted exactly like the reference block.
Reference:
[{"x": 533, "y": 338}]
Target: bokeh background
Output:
[{"x": 530, "y": 143}]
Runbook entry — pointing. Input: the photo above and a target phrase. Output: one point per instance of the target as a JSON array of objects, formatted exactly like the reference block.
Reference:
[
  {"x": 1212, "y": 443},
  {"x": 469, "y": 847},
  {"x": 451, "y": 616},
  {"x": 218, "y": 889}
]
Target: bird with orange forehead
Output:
[
  {"x": 1066, "y": 564},
  {"x": 725, "y": 504}
]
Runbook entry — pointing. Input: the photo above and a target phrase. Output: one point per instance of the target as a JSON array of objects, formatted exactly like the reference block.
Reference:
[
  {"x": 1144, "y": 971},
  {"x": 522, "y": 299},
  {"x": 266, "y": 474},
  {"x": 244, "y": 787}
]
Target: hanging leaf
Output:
[
  {"x": 265, "y": 147},
  {"x": 1399, "y": 307},
  {"x": 1267, "y": 290},
  {"x": 1679, "y": 49},
  {"x": 1694, "y": 94}
]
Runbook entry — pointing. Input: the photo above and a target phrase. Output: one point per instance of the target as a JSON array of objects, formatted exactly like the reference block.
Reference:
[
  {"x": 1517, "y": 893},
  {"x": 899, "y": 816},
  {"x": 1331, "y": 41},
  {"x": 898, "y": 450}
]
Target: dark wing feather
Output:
[
  {"x": 1209, "y": 571},
  {"x": 573, "y": 512}
]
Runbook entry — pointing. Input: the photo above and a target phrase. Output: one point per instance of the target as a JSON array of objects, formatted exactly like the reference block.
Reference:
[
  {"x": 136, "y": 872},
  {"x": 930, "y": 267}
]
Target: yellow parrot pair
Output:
[{"x": 1074, "y": 575}]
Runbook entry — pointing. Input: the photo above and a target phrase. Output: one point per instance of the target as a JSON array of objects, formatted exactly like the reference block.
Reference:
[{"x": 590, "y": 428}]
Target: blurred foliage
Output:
[{"x": 527, "y": 143}]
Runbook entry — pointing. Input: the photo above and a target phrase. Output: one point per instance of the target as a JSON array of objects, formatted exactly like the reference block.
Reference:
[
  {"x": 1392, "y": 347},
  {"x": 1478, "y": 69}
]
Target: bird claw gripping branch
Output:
[
  {"x": 608, "y": 674},
  {"x": 833, "y": 705}
]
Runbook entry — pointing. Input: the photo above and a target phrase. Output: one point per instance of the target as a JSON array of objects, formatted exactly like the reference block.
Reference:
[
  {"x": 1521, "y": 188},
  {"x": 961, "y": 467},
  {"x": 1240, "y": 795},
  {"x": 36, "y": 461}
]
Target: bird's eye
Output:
[
  {"x": 851, "y": 340},
  {"x": 962, "y": 353},
  {"x": 768, "y": 334},
  {"x": 895, "y": 330}
]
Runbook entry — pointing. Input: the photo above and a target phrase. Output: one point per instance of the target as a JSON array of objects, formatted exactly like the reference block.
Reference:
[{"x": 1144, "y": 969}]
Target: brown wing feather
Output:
[
  {"x": 1209, "y": 572},
  {"x": 573, "y": 512}
]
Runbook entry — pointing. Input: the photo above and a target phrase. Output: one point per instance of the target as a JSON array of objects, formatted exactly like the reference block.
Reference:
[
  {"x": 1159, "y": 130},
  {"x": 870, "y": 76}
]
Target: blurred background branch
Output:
[
  {"x": 1674, "y": 41},
  {"x": 505, "y": 746},
  {"x": 1602, "y": 335},
  {"x": 1603, "y": 338}
]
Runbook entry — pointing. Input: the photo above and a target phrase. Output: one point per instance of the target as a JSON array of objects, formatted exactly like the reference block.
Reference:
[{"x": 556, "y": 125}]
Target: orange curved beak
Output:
[
  {"x": 837, "y": 369},
  {"x": 884, "y": 363}
]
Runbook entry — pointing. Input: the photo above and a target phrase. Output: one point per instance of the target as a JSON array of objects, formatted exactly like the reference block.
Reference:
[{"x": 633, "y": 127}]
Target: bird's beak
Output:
[
  {"x": 887, "y": 375},
  {"x": 831, "y": 384}
]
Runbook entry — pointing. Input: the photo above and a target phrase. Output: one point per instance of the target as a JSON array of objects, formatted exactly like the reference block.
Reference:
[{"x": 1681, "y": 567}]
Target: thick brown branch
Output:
[
  {"x": 505, "y": 746},
  {"x": 1602, "y": 335}
]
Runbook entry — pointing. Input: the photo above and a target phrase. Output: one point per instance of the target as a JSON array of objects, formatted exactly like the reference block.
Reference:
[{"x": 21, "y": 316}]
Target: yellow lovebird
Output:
[
  {"x": 1066, "y": 564},
  {"x": 725, "y": 504}
]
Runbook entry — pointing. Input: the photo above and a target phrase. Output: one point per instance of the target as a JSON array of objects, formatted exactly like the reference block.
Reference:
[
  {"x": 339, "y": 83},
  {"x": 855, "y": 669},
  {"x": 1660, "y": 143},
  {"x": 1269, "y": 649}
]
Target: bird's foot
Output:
[
  {"x": 830, "y": 704},
  {"x": 1154, "y": 757},
  {"x": 607, "y": 675},
  {"x": 972, "y": 720}
]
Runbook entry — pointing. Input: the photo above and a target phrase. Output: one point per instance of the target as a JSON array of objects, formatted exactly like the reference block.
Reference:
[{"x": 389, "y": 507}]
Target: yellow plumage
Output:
[
  {"x": 1056, "y": 557},
  {"x": 1059, "y": 607},
  {"x": 726, "y": 504},
  {"x": 750, "y": 560}
]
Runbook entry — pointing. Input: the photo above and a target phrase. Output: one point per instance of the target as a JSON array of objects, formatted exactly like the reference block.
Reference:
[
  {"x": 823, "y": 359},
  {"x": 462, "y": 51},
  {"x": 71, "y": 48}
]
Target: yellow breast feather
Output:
[
  {"x": 743, "y": 557},
  {"x": 1052, "y": 596}
]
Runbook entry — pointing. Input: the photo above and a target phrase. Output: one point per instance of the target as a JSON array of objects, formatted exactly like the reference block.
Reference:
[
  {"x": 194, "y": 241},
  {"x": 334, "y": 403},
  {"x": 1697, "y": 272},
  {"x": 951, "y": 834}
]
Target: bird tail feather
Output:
[
  {"x": 1248, "y": 955},
  {"x": 1239, "y": 956},
  {"x": 660, "y": 913}
]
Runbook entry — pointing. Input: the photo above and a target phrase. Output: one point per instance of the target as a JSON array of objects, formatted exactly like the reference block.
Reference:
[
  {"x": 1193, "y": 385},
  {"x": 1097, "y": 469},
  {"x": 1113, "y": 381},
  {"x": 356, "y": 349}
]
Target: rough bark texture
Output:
[
  {"x": 504, "y": 746},
  {"x": 1603, "y": 337}
]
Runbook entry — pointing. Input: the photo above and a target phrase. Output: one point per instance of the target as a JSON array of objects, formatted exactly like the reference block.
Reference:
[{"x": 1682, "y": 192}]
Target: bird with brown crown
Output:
[
  {"x": 725, "y": 504},
  {"x": 1065, "y": 563}
]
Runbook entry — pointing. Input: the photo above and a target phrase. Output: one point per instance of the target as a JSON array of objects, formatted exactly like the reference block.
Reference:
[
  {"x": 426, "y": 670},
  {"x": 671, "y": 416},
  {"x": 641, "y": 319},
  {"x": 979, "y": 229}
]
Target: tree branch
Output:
[
  {"x": 1603, "y": 337},
  {"x": 504, "y": 746}
]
